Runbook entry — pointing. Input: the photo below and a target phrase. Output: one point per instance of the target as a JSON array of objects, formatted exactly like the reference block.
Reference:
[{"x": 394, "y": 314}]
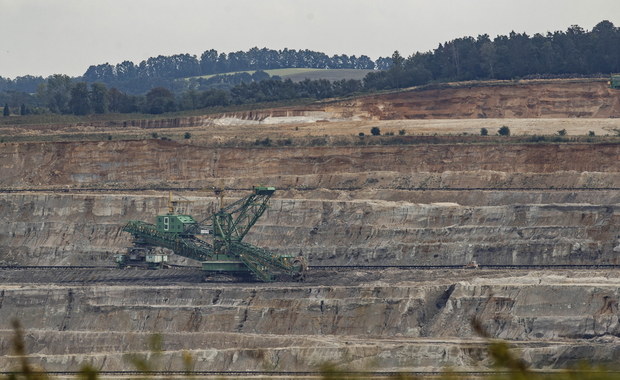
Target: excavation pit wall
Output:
[
  {"x": 373, "y": 325},
  {"x": 86, "y": 229},
  {"x": 156, "y": 163},
  {"x": 415, "y": 205},
  {"x": 425, "y": 204}
]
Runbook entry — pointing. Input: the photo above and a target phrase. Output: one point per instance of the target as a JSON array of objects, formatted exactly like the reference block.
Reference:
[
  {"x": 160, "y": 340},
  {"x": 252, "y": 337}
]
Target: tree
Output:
[
  {"x": 208, "y": 62},
  {"x": 484, "y": 132},
  {"x": 375, "y": 131},
  {"x": 56, "y": 92},
  {"x": 80, "y": 99},
  {"x": 102, "y": 73},
  {"x": 126, "y": 70},
  {"x": 27, "y": 84},
  {"x": 160, "y": 100},
  {"x": 121, "y": 102},
  {"x": 99, "y": 98},
  {"x": 23, "y": 110},
  {"x": 6, "y": 111},
  {"x": 604, "y": 54},
  {"x": 213, "y": 98},
  {"x": 504, "y": 131},
  {"x": 397, "y": 60},
  {"x": 189, "y": 100},
  {"x": 396, "y": 71},
  {"x": 260, "y": 75}
]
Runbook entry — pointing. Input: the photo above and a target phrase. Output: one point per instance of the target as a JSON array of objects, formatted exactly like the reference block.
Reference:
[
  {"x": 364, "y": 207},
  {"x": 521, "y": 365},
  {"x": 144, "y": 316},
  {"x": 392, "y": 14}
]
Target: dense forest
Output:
[
  {"x": 576, "y": 52},
  {"x": 163, "y": 71},
  {"x": 124, "y": 74},
  {"x": 161, "y": 84}
]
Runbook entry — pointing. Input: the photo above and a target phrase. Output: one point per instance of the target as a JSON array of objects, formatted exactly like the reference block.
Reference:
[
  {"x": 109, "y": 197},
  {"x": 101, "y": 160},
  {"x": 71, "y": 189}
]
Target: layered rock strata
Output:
[{"x": 368, "y": 325}]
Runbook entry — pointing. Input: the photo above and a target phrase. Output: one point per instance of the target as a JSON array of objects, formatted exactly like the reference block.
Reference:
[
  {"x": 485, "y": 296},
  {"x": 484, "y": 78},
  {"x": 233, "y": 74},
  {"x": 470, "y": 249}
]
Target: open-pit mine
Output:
[{"x": 392, "y": 228}]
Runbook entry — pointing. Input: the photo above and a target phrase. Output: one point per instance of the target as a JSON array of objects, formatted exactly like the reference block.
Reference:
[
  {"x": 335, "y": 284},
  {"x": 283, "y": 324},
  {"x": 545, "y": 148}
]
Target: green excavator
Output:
[
  {"x": 614, "y": 81},
  {"x": 216, "y": 241}
]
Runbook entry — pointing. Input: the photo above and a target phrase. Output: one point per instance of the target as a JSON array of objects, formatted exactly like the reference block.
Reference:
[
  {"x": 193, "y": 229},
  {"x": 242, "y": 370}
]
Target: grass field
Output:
[
  {"x": 50, "y": 118},
  {"x": 299, "y": 74}
]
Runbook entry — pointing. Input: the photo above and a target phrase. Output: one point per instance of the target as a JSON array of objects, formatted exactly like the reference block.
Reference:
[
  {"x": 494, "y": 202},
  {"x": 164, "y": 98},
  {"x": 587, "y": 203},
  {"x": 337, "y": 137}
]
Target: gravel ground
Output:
[{"x": 314, "y": 277}]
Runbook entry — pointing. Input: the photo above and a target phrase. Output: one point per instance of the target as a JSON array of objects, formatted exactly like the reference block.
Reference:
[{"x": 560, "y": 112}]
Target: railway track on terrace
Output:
[
  {"x": 87, "y": 275},
  {"x": 469, "y": 267},
  {"x": 302, "y": 374},
  {"x": 305, "y": 189}
]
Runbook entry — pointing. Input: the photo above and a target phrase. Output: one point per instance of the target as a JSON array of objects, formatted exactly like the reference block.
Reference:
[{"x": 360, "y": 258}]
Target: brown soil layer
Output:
[
  {"x": 524, "y": 99},
  {"x": 527, "y": 107},
  {"x": 169, "y": 163}
]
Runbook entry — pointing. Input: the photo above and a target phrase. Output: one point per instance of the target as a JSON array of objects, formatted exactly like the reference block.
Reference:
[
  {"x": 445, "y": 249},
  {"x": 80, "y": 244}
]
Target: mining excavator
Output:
[
  {"x": 216, "y": 241},
  {"x": 614, "y": 81}
]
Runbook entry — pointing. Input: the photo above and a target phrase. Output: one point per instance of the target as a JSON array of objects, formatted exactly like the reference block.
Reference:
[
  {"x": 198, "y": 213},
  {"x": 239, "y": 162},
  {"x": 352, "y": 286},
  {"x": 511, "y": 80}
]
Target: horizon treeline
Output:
[
  {"x": 127, "y": 75},
  {"x": 576, "y": 52},
  {"x": 160, "y": 84},
  {"x": 162, "y": 70}
]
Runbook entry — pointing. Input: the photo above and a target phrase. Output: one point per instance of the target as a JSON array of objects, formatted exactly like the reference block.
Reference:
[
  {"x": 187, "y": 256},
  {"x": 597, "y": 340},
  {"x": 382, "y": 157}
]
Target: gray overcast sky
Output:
[{"x": 42, "y": 37}]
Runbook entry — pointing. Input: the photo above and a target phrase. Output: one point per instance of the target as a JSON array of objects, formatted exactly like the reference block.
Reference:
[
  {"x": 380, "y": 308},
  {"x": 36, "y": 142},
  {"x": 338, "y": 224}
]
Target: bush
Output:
[
  {"x": 154, "y": 135},
  {"x": 562, "y": 132},
  {"x": 401, "y": 132},
  {"x": 503, "y": 131},
  {"x": 484, "y": 132},
  {"x": 187, "y": 135},
  {"x": 375, "y": 131},
  {"x": 361, "y": 134},
  {"x": 536, "y": 138},
  {"x": 265, "y": 142},
  {"x": 591, "y": 134},
  {"x": 318, "y": 141}
]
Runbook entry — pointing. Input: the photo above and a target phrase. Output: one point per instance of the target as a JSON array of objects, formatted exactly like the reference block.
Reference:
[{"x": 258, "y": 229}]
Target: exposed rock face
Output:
[
  {"x": 418, "y": 204},
  {"x": 424, "y": 204},
  {"x": 155, "y": 162},
  {"x": 525, "y": 99},
  {"x": 400, "y": 326},
  {"x": 54, "y": 229}
]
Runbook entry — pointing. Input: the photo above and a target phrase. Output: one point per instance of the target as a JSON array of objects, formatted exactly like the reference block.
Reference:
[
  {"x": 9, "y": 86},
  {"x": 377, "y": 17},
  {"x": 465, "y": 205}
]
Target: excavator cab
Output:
[{"x": 174, "y": 223}]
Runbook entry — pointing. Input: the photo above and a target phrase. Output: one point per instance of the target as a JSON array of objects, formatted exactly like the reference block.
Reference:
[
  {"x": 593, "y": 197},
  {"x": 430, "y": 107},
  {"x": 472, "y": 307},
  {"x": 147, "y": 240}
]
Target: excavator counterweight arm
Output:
[{"x": 147, "y": 233}]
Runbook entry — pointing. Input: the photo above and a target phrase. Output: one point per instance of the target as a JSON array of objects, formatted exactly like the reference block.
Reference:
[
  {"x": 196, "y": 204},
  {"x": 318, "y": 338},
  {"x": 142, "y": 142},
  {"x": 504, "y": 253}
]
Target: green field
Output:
[
  {"x": 299, "y": 74},
  {"x": 50, "y": 118}
]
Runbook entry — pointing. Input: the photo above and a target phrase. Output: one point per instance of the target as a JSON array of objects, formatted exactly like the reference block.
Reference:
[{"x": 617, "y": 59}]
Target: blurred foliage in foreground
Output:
[{"x": 507, "y": 366}]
